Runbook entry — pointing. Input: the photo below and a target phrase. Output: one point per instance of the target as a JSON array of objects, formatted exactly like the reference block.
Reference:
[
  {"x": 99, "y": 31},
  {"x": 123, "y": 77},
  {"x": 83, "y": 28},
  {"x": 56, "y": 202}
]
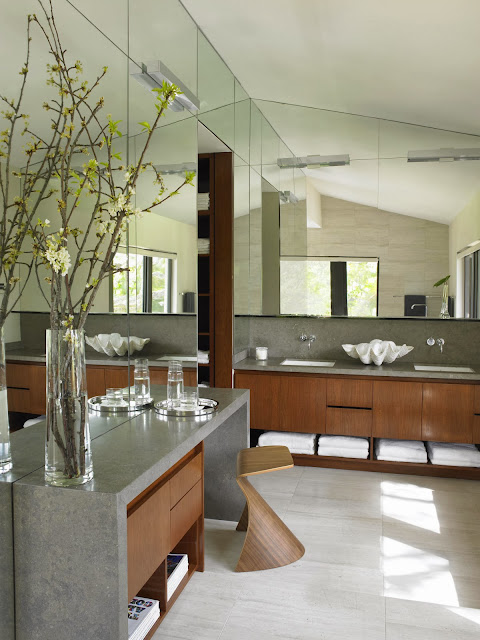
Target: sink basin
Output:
[
  {"x": 446, "y": 368},
  {"x": 308, "y": 363}
]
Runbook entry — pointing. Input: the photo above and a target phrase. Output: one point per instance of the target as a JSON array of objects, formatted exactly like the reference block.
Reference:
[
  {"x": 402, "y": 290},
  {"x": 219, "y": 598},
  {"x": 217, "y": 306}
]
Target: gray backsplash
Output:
[
  {"x": 281, "y": 336},
  {"x": 175, "y": 334}
]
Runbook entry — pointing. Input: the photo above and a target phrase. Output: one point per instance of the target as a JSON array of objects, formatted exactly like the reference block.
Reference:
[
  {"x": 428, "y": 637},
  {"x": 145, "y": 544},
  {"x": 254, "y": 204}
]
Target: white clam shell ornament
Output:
[
  {"x": 113, "y": 344},
  {"x": 376, "y": 351}
]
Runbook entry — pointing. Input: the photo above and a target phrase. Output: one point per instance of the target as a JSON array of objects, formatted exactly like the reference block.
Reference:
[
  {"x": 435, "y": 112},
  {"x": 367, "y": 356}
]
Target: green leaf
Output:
[
  {"x": 145, "y": 125},
  {"x": 442, "y": 281}
]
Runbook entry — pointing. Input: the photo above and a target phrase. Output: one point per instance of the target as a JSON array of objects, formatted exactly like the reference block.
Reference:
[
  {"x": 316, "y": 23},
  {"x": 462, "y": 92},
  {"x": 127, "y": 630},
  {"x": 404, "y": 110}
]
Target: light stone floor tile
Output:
[
  {"x": 388, "y": 557},
  {"x": 406, "y": 620},
  {"x": 335, "y": 508}
]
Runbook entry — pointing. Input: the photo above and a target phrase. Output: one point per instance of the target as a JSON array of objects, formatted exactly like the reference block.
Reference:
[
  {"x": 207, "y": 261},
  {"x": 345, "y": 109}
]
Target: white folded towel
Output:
[
  {"x": 453, "y": 454},
  {"x": 400, "y": 450},
  {"x": 345, "y": 442},
  {"x": 342, "y": 452},
  {"x": 296, "y": 442},
  {"x": 203, "y": 357}
]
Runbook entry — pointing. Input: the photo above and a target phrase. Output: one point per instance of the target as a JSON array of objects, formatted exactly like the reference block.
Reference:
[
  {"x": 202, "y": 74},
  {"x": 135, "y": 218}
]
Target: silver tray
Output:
[
  {"x": 205, "y": 407},
  {"x": 95, "y": 404}
]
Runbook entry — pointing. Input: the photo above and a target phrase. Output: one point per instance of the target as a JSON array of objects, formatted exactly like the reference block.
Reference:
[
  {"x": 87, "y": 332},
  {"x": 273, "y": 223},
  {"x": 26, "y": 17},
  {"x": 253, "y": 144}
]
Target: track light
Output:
[
  {"x": 443, "y": 155},
  {"x": 154, "y": 73},
  {"x": 314, "y": 161}
]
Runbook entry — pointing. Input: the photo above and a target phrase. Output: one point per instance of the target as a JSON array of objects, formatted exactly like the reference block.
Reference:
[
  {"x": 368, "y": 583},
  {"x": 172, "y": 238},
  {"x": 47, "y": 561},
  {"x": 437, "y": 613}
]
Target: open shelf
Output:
[{"x": 384, "y": 466}]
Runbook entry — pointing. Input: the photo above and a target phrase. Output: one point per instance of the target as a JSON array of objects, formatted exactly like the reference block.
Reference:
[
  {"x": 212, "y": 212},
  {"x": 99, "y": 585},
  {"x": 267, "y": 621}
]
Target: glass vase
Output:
[
  {"x": 68, "y": 456},
  {"x": 5, "y": 455},
  {"x": 444, "y": 309}
]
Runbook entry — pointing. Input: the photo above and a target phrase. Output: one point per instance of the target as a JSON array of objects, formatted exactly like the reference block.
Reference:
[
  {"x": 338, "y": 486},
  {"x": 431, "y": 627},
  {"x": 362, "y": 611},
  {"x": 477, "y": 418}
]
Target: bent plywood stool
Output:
[{"x": 269, "y": 543}]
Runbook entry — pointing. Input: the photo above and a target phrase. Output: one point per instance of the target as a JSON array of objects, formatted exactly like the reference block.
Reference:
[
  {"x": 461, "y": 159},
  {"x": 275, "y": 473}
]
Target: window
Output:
[
  {"x": 148, "y": 281},
  {"x": 471, "y": 285},
  {"x": 329, "y": 286}
]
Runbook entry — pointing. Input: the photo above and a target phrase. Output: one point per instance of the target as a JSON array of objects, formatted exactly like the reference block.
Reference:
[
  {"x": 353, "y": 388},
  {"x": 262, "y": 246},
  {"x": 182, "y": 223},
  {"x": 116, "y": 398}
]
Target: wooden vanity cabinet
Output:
[
  {"x": 26, "y": 383},
  {"x": 285, "y": 403},
  {"x": 397, "y": 410},
  {"x": 448, "y": 412}
]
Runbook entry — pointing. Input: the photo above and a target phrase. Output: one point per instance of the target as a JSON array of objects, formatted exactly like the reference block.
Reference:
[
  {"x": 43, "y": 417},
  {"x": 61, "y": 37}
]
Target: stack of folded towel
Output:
[
  {"x": 203, "y": 245},
  {"x": 453, "y": 455},
  {"x": 203, "y": 357},
  {"x": 203, "y": 201},
  {"x": 400, "y": 450},
  {"x": 296, "y": 442},
  {"x": 343, "y": 446}
]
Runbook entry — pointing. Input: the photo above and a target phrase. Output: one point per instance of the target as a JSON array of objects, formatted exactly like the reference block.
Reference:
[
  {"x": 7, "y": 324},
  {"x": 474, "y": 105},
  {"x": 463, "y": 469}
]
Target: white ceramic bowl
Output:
[
  {"x": 113, "y": 344},
  {"x": 376, "y": 351}
]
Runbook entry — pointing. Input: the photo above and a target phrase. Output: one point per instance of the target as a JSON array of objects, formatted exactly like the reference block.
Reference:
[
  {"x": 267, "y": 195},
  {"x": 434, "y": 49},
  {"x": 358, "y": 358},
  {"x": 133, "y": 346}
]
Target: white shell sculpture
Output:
[
  {"x": 376, "y": 351},
  {"x": 113, "y": 344}
]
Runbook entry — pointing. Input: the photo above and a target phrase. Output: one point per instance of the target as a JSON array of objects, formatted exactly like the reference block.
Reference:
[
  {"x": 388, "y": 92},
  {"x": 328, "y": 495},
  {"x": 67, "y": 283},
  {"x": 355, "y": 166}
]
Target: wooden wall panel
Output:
[{"x": 223, "y": 269}]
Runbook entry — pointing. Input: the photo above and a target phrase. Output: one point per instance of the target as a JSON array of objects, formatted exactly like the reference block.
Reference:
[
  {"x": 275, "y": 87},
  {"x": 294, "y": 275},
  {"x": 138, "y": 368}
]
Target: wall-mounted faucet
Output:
[
  {"x": 309, "y": 339},
  {"x": 439, "y": 341},
  {"x": 421, "y": 304}
]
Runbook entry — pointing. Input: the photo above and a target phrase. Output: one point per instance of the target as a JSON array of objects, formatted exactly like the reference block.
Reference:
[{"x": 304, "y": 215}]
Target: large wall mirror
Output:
[{"x": 371, "y": 215}]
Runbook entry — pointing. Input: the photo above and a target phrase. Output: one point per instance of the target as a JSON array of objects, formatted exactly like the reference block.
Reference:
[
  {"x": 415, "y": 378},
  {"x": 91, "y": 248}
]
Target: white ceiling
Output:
[{"x": 409, "y": 61}]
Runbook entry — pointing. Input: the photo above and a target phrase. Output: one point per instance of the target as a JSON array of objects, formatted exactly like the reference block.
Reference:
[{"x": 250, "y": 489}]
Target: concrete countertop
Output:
[
  {"x": 21, "y": 354},
  {"x": 127, "y": 458},
  {"x": 355, "y": 367}
]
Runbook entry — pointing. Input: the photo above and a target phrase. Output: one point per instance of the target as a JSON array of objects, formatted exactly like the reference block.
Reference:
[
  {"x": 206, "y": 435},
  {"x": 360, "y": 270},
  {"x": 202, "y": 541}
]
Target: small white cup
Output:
[{"x": 261, "y": 353}]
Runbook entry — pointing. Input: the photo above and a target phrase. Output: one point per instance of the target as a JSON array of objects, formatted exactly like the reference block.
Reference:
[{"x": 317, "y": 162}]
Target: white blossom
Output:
[{"x": 58, "y": 257}]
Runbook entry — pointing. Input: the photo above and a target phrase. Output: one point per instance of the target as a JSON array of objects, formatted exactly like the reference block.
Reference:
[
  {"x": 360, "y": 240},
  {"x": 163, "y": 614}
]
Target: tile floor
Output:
[{"x": 388, "y": 557}]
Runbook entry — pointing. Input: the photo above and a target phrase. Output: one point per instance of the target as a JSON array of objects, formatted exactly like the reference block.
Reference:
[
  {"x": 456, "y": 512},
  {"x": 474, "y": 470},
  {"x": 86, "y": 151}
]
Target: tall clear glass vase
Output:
[
  {"x": 444, "y": 310},
  {"x": 68, "y": 456},
  {"x": 5, "y": 455}
]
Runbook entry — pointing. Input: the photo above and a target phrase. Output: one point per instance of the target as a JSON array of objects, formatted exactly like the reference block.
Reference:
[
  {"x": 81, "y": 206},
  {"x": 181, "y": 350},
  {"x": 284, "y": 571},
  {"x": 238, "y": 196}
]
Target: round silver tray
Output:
[
  {"x": 205, "y": 407},
  {"x": 95, "y": 404}
]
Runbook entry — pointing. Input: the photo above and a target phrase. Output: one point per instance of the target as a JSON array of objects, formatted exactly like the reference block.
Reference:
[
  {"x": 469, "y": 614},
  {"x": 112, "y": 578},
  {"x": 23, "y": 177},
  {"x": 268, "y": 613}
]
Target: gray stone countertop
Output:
[
  {"x": 129, "y": 457},
  {"x": 355, "y": 367},
  {"x": 21, "y": 354}
]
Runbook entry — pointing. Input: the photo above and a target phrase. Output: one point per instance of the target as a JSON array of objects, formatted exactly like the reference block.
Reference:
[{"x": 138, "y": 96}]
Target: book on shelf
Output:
[
  {"x": 142, "y": 615},
  {"x": 177, "y": 569}
]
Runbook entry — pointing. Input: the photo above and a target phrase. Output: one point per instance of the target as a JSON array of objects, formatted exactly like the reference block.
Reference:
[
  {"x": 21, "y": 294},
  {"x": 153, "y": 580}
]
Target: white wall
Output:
[
  {"x": 413, "y": 252},
  {"x": 464, "y": 230}
]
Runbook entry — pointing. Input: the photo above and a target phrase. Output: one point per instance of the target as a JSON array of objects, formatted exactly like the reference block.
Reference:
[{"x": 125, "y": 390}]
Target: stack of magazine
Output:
[
  {"x": 177, "y": 569},
  {"x": 142, "y": 615}
]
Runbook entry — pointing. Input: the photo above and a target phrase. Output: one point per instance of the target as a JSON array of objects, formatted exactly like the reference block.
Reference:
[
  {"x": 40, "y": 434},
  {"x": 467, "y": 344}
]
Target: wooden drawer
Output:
[
  {"x": 185, "y": 479},
  {"x": 397, "y": 410},
  {"x": 476, "y": 401},
  {"x": 447, "y": 414},
  {"x": 349, "y": 422},
  {"x": 349, "y": 393},
  {"x": 116, "y": 377},
  {"x": 148, "y": 537},
  {"x": 476, "y": 429},
  {"x": 18, "y": 400},
  {"x": 18, "y": 376},
  {"x": 185, "y": 512},
  {"x": 95, "y": 381}
]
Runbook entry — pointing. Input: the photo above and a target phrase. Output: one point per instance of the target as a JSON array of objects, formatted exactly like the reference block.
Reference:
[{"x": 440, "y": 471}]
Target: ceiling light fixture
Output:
[
  {"x": 314, "y": 161},
  {"x": 154, "y": 73},
  {"x": 170, "y": 169},
  {"x": 443, "y": 155},
  {"x": 287, "y": 196}
]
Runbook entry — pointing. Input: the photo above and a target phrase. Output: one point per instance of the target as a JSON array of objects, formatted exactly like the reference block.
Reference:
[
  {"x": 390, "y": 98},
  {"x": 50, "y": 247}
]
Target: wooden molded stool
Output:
[{"x": 269, "y": 543}]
